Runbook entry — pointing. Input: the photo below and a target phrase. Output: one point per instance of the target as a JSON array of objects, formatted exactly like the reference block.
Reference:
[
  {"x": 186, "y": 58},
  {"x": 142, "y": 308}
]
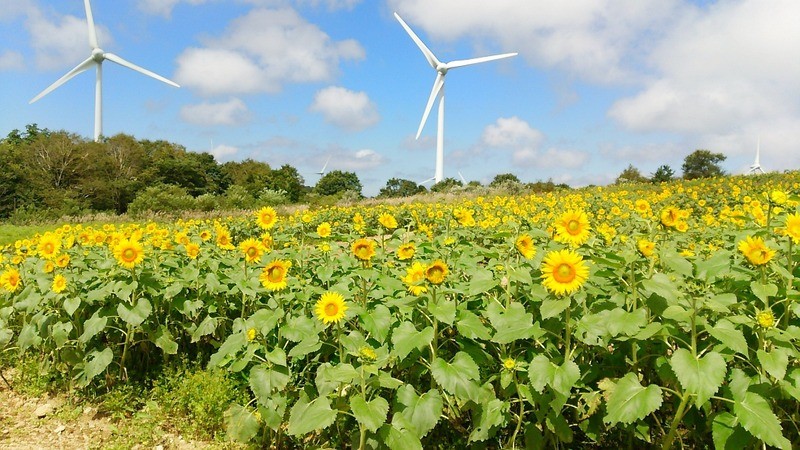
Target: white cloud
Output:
[
  {"x": 164, "y": 7},
  {"x": 352, "y": 160},
  {"x": 511, "y": 132},
  {"x": 353, "y": 111},
  {"x": 332, "y": 5},
  {"x": 224, "y": 152},
  {"x": 552, "y": 158},
  {"x": 11, "y": 60},
  {"x": 231, "y": 112},
  {"x": 524, "y": 144},
  {"x": 262, "y": 51}
]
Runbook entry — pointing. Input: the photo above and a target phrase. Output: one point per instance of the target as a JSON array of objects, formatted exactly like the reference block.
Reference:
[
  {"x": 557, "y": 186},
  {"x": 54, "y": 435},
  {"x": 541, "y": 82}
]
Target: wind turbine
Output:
[
  {"x": 96, "y": 59},
  {"x": 322, "y": 172},
  {"x": 756, "y": 166},
  {"x": 438, "y": 91}
]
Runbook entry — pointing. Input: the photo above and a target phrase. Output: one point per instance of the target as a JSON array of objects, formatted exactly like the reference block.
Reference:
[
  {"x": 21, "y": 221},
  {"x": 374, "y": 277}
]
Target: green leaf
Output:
[
  {"x": 264, "y": 380},
  {"x": 756, "y": 416},
  {"x": 661, "y": 285},
  {"x": 631, "y": 401},
  {"x": 377, "y": 322},
  {"x": 728, "y": 434},
  {"x": 763, "y": 291},
  {"x": 561, "y": 378},
  {"x": 241, "y": 424},
  {"x": 469, "y": 325},
  {"x": 701, "y": 377},
  {"x": 540, "y": 372},
  {"x": 92, "y": 327},
  {"x": 397, "y": 437},
  {"x": 306, "y": 346},
  {"x": 731, "y": 337},
  {"x": 406, "y": 338},
  {"x": 512, "y": 324},
  {"x": 230, "y": 347},
  {"x": 459, "y": 377},
  {"x": 164, "y": 341},
  {"x": 96, "y": 363},
  {"x": 492, "y": 415},
  {"x": 137, "y": 314},
  {"x": 482, "y": 280},
  {"x": 554, "y": 307},
  {"x": 421, "y": 412},
  {"x": 443, "y": 310},
  {"x": 71, "y": 304},
  {"x": 61, "y": 332},
  {"x": 330, "y": 377},
  {"x": 370, "y": 414},
  {"x": 206, "y": 327},
  {"x": 306, "y": 417},
  {"x": 774, "y": 362},
  {"x": 28, "y": 336}
]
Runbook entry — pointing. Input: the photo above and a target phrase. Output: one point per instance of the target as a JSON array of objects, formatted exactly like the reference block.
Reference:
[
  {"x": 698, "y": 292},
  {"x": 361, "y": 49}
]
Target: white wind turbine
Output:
[
  {"x": 322, "y": 172},
  {"x": 756, "y": 166},
  {"x": 96, "y": 59},
  {"x": 438, "y": 91}
]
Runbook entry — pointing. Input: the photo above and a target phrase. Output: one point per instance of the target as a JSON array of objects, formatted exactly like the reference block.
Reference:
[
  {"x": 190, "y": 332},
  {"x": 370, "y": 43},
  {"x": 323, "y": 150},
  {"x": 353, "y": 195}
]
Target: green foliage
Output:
[
  {"x": 664, "y": 174},
  {"x": 631, "y": 175},
  {"x": 336, "y": 182},
  {"x": 702, "y": 164},
  {"x": 162, "y": 198},
  {"x": 397, "y": 187},
  {"x": 446, "y": 185},
  {"x": 504, "y": 178}
]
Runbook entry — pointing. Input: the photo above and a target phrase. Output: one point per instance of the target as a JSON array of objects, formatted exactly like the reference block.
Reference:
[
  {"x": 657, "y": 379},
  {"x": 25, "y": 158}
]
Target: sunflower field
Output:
[{"x": 660, "y": 316}]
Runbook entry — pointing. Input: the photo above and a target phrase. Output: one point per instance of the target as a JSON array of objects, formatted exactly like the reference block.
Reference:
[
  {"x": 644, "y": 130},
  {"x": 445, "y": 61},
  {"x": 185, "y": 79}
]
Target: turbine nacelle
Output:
[{"x": 98, "y": 55}]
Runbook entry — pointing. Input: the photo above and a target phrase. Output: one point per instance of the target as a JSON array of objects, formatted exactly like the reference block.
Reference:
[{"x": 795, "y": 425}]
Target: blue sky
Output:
[{"x": 597, "y": 85}]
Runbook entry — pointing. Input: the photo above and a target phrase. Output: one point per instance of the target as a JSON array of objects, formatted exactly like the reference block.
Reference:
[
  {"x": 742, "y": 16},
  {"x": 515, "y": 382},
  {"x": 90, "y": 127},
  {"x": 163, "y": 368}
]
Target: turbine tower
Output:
[
  {"x": 441, "y": 69},
  {"x": 756, "y": 166},
  {"x": 96, "y": 59}
]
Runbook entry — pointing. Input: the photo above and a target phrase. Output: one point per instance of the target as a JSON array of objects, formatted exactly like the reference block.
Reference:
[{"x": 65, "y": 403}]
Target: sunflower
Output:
[
  {"x": 205, "y": 235},
  {"x": 793, "y": 227},
  {"x": 388, "y": 221},
  {"x": 406, "y": 251},
  {"x": 756, "y": 251},
  {"x": 49, "y": 246},
  {"x": 224, "y": 239},
  {"x": 330, "y": 307},
  {"x": 363, "y": 249},
  {"x": 646, "y": 247},
  {"x": 765, "y": 319},
  {"x": 563, "y": 272},
  {"x": 273, "y": 275},
  {"x": 192, "y": 250},
  {"x": 62, "y": 260},
  {"x": 415, "y": 275},
  {"x": 59, "y": 284},
  {"x": 324, "y": 229},
  {"x": 49, "y": 266},
  {"x": 671, "y": 216},
  {"x": 525, "y": 246},
  {"x": 572, "y": 228},
  {"x": 10, "y": 280},
  {"x": 129, "y": 253},
  {"x": 641, "y": 206},
  {"x": 266, "y": 217},
  {"x": 436, "y": 272},
  {"x": 252, "y": 250}
]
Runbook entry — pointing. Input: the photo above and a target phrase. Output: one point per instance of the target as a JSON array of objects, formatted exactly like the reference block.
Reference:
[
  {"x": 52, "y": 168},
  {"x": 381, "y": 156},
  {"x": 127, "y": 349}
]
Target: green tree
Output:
[
  {"x": 287, "y": 179},
  {"x": 252, "y": 175},
  {"x": 504, "y": 178},
  {"x": 446, "y": 185},
  {"x": 398, "y": 187},
  {"x": 702, "y": 164},
  {"x": 663, "y": 174},
  {"x": 337, "y": 181},
  {"x": 631, "y": 175}
]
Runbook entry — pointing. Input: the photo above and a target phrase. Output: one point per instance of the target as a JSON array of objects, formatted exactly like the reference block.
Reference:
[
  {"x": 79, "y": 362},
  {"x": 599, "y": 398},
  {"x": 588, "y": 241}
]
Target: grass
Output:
[{"x": 10, "y": 233}]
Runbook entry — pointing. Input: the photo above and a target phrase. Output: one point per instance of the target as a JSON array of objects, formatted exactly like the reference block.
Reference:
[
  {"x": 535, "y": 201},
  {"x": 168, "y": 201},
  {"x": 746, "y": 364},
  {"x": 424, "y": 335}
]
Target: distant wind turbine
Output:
[
  {"x": 462, "y": 177},
  {"x": 96, "y": 59},
  {"x": 322, "y": 172},
  {"x": 438, "y": 91},
  {"x": 756, "y": 166}
]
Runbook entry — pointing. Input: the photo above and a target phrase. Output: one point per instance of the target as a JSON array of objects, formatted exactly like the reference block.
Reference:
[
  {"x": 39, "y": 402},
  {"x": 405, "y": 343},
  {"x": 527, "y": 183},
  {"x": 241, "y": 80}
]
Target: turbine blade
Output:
[
  {"x": 114, "y": 58},
  {"x": 469, "y": 62},
  {"x": 437, "y": 87},
  {"x": 90, "y": 20},
  {"x": 425, "y": 50},
  {"x": 82, "y": 67}
]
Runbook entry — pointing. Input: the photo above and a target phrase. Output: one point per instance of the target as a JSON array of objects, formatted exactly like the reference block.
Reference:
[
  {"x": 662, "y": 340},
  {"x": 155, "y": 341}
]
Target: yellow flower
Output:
[
  {"x": 436, "y": 272},
  {"x": 324, "y": 229},
  {"x": 266, "y": 217},
  {"x": 49, "y": 266},
  {"x": 670, "y": 216},
  {"x": 756, "y": 251},
  {"x": 59, "y": 284},
  {"x": 330, "y": 308},
  {"x": 49, "y": 246},
  {"x": 406, "y": 251},
  {"x": 415, "y": 275},
  {"x": 765, "y": 319},
  {"x": 273, "y": 275},
  {"x": 10, "y": 280},
  {"x": 224, "y": 239},
  {"x": 641, "y": 206},
  {"x": 778, "y": 197},
  {"x": 129, "y": 253},
  {"x": 251, "y": 334},
  {"x": 192, "y": 250},
  {"x": 252, "y": 250},
  {"x": 793, "y": 227},
  {"x": 563, "y": 272},
  {"x": 388, "y": 221},
  {"x": 205, "y": 235},
  {"x": 62, "y": 260},
  {"x": 363, "y": 249},
  {"x": 572, "y": 228},
  {"x": 509, "y": 364},
  {"x": 525, "y": 246},
  {"x": 367, "y": 353},
  {"x": 646, "y": 247}
]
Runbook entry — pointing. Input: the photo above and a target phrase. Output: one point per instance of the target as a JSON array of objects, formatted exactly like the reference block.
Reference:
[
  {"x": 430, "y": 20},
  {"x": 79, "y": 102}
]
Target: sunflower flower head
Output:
[
  {"x": 765, "y": 319},
  {"x": 646, "y": 247},
  {"x": 49, "y": 246},
  {"x": 266, "y": 217},
  {"x": 324, "y": 229},
  {"x": 756, "y": 250},
  {"x": 572, "y": 228},
  {"x": 792, "y": 227},
  {"x": 509, "y": 363},
  {"x": 192, "y": 250},
  {"x": 524, "y": 245},
  {"x": 59, "y": 284},
  {"x": 363, "y": 249},
  {"x": 252, "y": 250},
  {"x": 387, "y": 221},
  {"x": 436, "y": 272},
  {"x": 273, "y": 275},
  {"x": 406, "y": 251},
  {"x": 129, "y": 253},
  {"x": 330, "y": 308},
  {"x": 564, "y": 272},
  {"x": 415, "y": 276},
  {"x": 10, "y": 280}
]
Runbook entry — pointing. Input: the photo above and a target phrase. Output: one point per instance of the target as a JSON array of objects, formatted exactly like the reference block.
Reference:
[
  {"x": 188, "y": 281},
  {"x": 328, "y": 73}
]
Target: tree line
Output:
[{"x": 698, "y": 164}]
